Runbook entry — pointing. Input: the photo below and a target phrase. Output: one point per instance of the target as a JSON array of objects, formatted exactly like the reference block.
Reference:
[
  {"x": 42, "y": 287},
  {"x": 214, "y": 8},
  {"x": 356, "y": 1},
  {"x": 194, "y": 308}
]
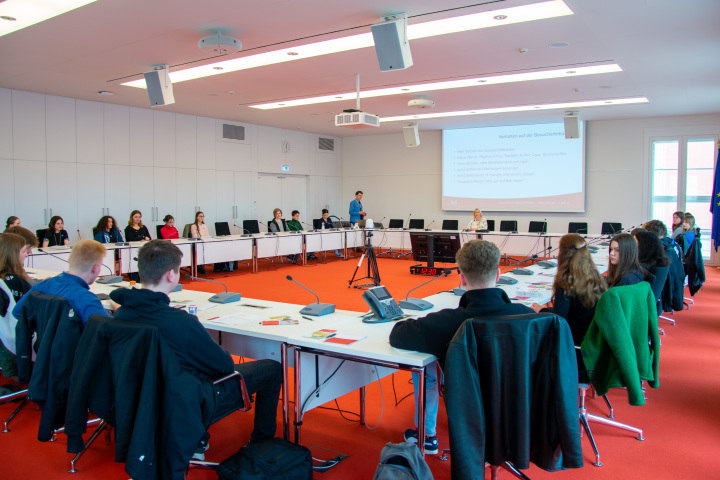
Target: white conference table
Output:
[
  {"x": 55, "y": 259},
  {"x": 128, "y": 254}
]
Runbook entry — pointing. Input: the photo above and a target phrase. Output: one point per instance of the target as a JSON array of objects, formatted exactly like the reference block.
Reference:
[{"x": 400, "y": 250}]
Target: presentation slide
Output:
[{"x": 520, "y": 168}]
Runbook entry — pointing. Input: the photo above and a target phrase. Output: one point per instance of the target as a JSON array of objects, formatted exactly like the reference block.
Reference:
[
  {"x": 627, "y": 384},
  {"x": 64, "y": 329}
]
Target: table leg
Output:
[
  {"x": 298, "y": 400},
  {"x": 421, "y": 412},
  {"x": 286, "y": 399},
  {"x": 362, "y": 405}
]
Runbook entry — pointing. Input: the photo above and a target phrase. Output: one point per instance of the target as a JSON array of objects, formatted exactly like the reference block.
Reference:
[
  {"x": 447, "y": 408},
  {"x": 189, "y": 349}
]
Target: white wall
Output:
[
  {"x": 77, "y": 159},
  {"x": 398, "y": 181}
]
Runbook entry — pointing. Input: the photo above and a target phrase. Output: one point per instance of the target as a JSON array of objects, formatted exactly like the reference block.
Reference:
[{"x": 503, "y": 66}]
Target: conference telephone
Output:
[{"x": 382, "y": 304}]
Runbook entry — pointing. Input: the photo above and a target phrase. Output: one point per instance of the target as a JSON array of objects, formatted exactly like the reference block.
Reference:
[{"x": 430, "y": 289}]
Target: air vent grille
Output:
[
  {"x": 233, "y": 132},
  {"x": 327, "y": 144}
]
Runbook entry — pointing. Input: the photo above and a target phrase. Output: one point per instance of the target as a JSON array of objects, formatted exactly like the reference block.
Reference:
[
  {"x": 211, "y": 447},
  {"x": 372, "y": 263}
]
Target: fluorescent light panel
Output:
[
  {"x": 429, "y": 87},
  {"x": 523, "y": 108},
  {"x": 30, "y": 12},
  {"x": 538, "y": 11}
]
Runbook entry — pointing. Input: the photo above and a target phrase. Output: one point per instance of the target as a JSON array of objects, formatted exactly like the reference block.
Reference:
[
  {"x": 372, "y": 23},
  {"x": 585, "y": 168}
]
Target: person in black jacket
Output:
[
  {"x": 478, "y": 262},
  {"x": 135, "y": 230},
  {"x": 672, "y": 295},
  {"x": 159, "y": 268},
  {"x": 624, "y": 268}
]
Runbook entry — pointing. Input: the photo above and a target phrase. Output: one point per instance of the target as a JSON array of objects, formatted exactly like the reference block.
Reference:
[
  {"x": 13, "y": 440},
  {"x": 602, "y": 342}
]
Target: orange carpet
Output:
[{"x": 680, "y": 420}]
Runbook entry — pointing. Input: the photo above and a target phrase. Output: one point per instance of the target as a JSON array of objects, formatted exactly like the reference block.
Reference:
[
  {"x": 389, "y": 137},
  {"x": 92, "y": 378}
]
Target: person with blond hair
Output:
[
  {"x": 478, "y": 222},
  {"x": 85, "y": 264}
]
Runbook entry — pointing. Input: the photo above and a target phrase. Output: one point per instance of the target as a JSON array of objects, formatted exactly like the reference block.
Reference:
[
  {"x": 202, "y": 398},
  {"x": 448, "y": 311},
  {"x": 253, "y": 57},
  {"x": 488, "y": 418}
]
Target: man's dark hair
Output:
[
  {"x": 156, "y": 258},
  {"x": 325, "y": 210},
  {"x": 657, "y": 227},
  {"x": 358, "y": 192},
  {"x": 294, "y": 212}
]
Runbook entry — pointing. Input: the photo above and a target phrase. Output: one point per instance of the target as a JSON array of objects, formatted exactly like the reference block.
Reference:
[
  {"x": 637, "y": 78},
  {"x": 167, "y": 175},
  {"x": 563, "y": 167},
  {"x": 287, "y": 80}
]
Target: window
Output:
[{"x": 682, "y": 179}]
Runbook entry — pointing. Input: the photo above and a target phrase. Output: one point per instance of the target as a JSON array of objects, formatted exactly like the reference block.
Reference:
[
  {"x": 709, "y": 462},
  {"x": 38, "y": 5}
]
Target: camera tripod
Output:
[{"x": 372, "y": 267}]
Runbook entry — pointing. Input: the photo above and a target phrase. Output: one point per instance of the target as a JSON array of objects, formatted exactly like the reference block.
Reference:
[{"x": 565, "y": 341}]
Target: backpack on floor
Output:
[
  {"x": 275, "y": 459},
  {"x": 402, "y": 461}
]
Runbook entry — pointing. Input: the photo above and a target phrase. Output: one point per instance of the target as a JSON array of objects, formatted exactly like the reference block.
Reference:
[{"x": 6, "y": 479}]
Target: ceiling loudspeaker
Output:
[
  {"x": 391, "y": 44},
  {"x": 572, "y": 126},
  {"x": 159, "y": 86},
  {"x": 412, "y": 137}
]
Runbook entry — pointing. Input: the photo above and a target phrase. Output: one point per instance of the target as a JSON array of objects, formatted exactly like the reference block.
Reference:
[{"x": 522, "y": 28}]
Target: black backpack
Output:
[
  {"x": 275, "y": 459},
  {"x": 402, "y": 461}
]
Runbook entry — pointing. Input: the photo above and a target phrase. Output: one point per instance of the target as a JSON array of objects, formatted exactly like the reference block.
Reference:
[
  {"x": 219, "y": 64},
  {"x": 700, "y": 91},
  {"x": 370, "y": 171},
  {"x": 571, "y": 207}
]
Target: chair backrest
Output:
[
  {"x": 610, "y": 228},
  {"x": 616, "y": 350},
  {"x": 58, "y": 329},
  {"x": 40, "y": 234},
  {"x": 450, "y": 225},
  {"x": 157, "y": 230},
  {"x": 578, "y": 227},
  {"x": 251, "y": 226},
  {"x": 417, "y": 223},
  {"x": 537, "y": 227},
  {"x": 284, "y": 225},
  {"x": 186, "y": 230},
  {"x": 505, "y": 378},
  {"x": 396, "y": 223},
  {"x": 491, "y": 225},
  {"x": 508, "y": 225},
  {"x": 222, "y": 228},
  {"x": 317, "y": 223},
  {"x": 659, "y": 277}
]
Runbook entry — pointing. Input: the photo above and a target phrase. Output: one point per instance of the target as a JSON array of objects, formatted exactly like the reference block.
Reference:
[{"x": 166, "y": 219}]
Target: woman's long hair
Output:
[
  {"x": 650, "y": 251},
  {"x": 197, "y": 222},
  {"x": 680, "y": 215},
  {"x": 10, "y": 246},
  {"x": 628, "y": 258},
  {"x": 577, "y": 274},
  {"x": 132, "y": 214}
]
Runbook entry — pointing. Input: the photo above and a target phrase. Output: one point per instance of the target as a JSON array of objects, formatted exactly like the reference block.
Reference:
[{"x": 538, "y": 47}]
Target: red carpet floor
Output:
[{"x": 680, "y": 419}]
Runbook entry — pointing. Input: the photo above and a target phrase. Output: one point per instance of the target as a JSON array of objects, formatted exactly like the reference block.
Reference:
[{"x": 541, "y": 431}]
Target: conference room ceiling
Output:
[{"x": 668, "y": 52}]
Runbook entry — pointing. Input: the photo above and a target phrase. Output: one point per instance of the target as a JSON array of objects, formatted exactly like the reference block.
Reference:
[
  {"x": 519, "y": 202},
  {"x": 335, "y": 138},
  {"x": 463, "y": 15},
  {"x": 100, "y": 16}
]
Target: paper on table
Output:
[{"x": 236, "y": 319}]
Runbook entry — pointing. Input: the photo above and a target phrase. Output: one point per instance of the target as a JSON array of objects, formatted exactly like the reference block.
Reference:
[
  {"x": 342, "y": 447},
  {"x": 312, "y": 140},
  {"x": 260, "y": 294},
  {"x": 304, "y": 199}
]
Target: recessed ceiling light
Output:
[
  {"x": 500, "y": 17},
  {"x": 521, "y": 108},
  {"x": 281, "y": 104},
  {"x": 468, "y": 82},
  {"x": 25, "y": 13},
  {"x": 217, "y": 68},
  {"x": 570, "y": 72},
  {"x": 525, "y": 13},
  {"x": 559, "y": 45}
]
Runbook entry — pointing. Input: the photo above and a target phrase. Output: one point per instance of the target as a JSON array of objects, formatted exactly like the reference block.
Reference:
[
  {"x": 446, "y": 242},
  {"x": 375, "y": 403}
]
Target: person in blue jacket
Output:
[
  {"x": 356, "y": 208},
  {"x": 107, "y": 232}
]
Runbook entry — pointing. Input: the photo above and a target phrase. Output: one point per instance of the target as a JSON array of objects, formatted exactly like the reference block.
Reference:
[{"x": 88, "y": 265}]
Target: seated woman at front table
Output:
[
  {"x": 624, "y": 268},
  {"x": 277, "y": 224},
  {"x": 55, "y": 235},
  {"x": 12, "y": 221},
  {"x": 107, "y": 232},
  {"x": 677, "y": 224},
  {"x": 135, "y": 230},
  {"x": 478, "y": 222},
  {"x": 326, "y": 223},
  {"x": 688, "y": 232},
  {"x": 198, "y": 228},
  {"x": 168, "y": 231},
  {"x": 13, "y": 286}
]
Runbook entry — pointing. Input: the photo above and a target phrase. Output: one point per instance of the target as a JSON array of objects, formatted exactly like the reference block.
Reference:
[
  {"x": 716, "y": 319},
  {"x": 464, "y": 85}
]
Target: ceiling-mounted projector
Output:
[
  {"x": 219, "y": 44},
  {"x": 354, "y": 118}
]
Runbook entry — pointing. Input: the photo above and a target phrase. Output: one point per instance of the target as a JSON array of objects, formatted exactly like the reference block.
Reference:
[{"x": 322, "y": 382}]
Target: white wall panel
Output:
[
  {"x": 90, "y": 135},
  {"x": 207, "y": 197},
  {"x": 28, "y": 126},
  {"x": 61, "y": 131},
  {"x": 165, "y": 194},
  {"x": 186, "y": 197},
  {"x": 142, "y": 196},
  {"x": 30, "y": 193},
  {"x": 164, "y": 139},
  {"x": 117, "y": 134},
  {"x": 6, "y": 123},
  {"x": 232, "y": 156},
  {"x": 206, "y": 143},
  {"x": 91, "y": 197},
  {"x": 300, "y": 151},
  {"x": 225, "y": 189},
  {"x": 62, "y": 194},
  {"x": 141, "y": 137},
  {"x": 185, "y": 141},
  {"x": 117, "y": 193},
  {"x": 7, "y": 190},
  {"x": 270, "y": 156},
  {"x": 244, "y": 196}
]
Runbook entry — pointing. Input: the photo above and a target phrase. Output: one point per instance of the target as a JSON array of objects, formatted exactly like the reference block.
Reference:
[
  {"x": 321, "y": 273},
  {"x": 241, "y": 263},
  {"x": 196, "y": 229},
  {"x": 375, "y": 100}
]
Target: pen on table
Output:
[
  {"x": 213, "y": 318},
  {"x": 307, "y": 318}
]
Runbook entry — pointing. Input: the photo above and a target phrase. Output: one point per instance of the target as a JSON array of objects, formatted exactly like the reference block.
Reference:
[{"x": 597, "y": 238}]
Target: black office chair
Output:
[
  {"x": 511, "y": 385},
  {"x": 222, "y": 228},
  {"x": 491, "y": 225},
  {"x": 610, "y": 228},
  {"x": 284, "y": 224},
  {"x": 317, "y": 223},
  {"x": 578, "y": 227},
  {"x": 450, "y": 225},
  {"x": 659, "y": 277},
  {"x": 157, "y": 229},
  {"x": 40, "y": 234},
  {"x": 508, "y": 225},
  {"x": 396, "y": 223},
  {"x": 186, "y": 230},
  {"x": 251, "y": 226},
  {"x": 416, "y": 223},
  {"x": 537, "y": 227}
]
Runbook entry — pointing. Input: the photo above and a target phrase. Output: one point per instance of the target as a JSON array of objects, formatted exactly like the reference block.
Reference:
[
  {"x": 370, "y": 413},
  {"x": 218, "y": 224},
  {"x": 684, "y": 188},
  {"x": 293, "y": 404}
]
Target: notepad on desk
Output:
[{"x": 343, "y": 340}]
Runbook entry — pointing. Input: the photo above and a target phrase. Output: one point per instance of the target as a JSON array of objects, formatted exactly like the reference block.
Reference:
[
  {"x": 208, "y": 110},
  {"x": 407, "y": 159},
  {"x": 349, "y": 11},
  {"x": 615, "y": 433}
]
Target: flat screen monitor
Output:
[{"x": 430, "y": 248}]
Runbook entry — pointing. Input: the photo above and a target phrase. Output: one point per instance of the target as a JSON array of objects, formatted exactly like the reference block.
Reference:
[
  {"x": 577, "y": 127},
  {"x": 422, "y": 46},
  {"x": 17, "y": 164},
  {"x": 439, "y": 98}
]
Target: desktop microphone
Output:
[
  {"x": 408, "y": 224},
  {"x": 246, "y": 232},
  {"x": 222, "y": 297},
  {"x": 380, "y": 223},
  {"x": 79, "y": 236},
  {"x": 312, "y": 227},
  {"x": 428, "y": 227},
  {"x": 268, "y": 228},
  {"x": 315, "y": 309},
  {"x": 417, "y": 303}
]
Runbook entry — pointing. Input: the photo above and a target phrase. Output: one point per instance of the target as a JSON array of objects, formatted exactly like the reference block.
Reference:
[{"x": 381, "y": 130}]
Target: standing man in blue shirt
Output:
[
  {"x": 86, "y": 258},
  {"x": 356, "y": 208}
]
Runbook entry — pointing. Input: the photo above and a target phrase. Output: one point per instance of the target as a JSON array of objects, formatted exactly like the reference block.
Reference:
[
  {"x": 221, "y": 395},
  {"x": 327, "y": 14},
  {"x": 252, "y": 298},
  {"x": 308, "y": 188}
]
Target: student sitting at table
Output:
[
  {"x": 624, "y": 268},
  {"x": 107, "y": 232},
  {"x": 159, "y": 267},
  {"x": 12, "y": 221},
  {"x": 168, "y": 231},
  {"x": 688, "y": 232},
  {"x": 478, "y": 264},
  {"x": 198, "y": 228},
  {"x": 31, "y": 242},
  {"x": 294, "y": 225},
  {"x": 135, "y": 230},
  {"x": 13, "y": 286},
  {"x": 478, "y": 222},
  {"x": 277, "y": 224},
  {"x": 326, "y": 223},
  {"x": 677, "y": 224},
  {"x": 55, "y": 234}
]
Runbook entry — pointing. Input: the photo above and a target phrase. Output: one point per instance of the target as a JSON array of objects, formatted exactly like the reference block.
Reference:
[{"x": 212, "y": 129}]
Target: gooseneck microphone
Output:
[
  {"x": 429, "y": 225},
  {"x": 246, "y": 232},
  {"x": 222, "y": 297},
  {"x": 315, "y": 309},
  {"x": 418, "y": 303},
  {"x": 408, "y": 224},
  {"x": 79, "y": 236},
  {"x": 268, "y": 228}
]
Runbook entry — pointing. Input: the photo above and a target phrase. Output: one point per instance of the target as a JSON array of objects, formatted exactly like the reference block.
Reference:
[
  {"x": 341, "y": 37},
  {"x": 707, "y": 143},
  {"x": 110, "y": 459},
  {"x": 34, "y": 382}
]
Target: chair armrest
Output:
[{"x": 247, "y": 402}]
